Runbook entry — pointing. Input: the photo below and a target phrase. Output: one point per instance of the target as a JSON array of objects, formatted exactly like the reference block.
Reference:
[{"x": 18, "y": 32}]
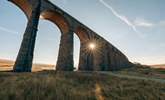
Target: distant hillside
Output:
[
  {"x": 8, "y": 65},
  {"x": 4, "y": 62},
  {"x": 158, "y": 66}
]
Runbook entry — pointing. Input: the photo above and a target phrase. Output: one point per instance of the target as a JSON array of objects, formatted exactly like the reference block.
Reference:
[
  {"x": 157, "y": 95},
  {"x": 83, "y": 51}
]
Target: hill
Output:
[
  {"x": 158, "y": 66},
  {"x": 7, "y": 65},
  {"x": 143, "y": 71}
]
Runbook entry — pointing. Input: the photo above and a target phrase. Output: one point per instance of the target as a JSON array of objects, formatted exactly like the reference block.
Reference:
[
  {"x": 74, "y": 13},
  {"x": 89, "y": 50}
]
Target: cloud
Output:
[
  {"x": 8, "y": 31},
  {"x": 122, "y": 18},
  {"x": 143, "y": 23},
  {"x": 140, "y": 22}
]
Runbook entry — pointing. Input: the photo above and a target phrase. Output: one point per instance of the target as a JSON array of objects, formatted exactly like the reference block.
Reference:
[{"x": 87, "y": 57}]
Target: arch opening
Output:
[
  {"x": 47, "y": 46},
  {"x": 76, "y": 51},
  {"x": 57, "y": 19},
  {"x": 11, "y": 31},
  {"x": 82, "y": 34}
]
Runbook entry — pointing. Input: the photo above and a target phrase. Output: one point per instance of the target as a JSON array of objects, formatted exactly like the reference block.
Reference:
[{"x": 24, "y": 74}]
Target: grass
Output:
[{"x": 51, "y": 85}]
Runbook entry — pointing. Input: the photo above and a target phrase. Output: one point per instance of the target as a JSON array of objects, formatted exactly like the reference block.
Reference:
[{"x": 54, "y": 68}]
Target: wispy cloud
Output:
[
  {"x": 122, "y": 18},
  {"x": 8, "y": 31},
  {"x": 143, "y": 23},
  {"x": 140, "y": 22}
]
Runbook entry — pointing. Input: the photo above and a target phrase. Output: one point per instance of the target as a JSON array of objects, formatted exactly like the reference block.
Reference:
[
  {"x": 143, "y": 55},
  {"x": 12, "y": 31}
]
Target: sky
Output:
[{"x": 136, "y": 27}]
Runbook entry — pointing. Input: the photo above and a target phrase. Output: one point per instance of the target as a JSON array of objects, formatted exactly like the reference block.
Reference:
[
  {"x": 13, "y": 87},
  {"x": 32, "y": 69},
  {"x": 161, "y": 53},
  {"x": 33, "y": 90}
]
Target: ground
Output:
[
  {"x": 136, "y": 83},
  {"x": 51, "y": 85}
]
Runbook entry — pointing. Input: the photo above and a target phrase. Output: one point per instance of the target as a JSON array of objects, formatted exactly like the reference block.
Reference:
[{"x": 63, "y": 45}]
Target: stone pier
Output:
[
  {"x": 25, "y": 56},
  {"x": 65, "y": 56}
]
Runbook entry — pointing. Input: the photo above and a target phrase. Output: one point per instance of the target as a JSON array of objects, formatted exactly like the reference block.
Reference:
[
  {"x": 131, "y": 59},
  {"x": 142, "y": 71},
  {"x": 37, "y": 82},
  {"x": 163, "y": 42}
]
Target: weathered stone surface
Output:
[
  {"x": 104, "y": 57},
  {"x": 86, "y": 59},
  {"x": 65, "y": 57},
  {"x": 25, "y": 56}
]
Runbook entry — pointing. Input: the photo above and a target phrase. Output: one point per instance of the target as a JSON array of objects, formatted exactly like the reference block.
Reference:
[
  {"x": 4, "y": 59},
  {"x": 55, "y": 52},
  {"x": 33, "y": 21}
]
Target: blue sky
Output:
[{"x": 136, "y": 27}]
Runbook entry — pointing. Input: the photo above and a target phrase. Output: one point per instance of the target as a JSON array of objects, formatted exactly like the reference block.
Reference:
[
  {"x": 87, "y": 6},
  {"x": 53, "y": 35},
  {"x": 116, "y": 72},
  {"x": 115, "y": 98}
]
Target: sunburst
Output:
[{"x": 93, "y": 46}]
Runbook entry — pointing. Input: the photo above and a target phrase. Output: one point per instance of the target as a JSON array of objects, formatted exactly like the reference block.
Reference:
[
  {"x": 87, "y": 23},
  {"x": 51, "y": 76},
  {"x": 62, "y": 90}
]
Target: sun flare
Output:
[{"x": 92, "y": 46}]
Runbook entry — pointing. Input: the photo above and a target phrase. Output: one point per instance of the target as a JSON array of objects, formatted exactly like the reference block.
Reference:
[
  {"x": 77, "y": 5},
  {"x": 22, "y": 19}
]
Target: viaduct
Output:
[{"x": 105, "y": 57}]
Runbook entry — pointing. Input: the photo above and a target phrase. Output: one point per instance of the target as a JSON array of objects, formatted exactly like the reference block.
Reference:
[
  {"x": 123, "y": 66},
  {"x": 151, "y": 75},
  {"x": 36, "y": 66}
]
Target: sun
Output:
[{"x": 92, "y": 46}]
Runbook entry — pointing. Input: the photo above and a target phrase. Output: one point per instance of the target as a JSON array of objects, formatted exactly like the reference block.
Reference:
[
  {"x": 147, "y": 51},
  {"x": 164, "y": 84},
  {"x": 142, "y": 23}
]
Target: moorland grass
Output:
[{"x": 51, "y": 85}]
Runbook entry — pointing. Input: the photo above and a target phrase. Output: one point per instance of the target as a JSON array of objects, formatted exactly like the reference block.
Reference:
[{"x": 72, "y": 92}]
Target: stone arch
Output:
[
  {"x": 24, "y": 5},
  {"x": 64, "y": 25},
  {"x": 82, "y": 33},
  {"x": 57, "y": 19},
  {"x": 47, "y": 44},
  {"x": 85, "y": 58},
  {"x": 65, "y": 55}
]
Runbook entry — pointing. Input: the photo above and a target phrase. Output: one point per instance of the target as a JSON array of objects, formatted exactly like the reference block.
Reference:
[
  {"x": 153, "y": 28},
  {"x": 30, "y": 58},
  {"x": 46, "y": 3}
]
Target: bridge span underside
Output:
[{"x": 104, "y": 57}]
